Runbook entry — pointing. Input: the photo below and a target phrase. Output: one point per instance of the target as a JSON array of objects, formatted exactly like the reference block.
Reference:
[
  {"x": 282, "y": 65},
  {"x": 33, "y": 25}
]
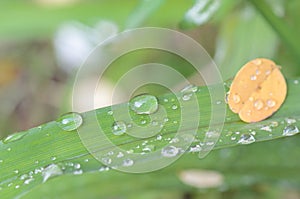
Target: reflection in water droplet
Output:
[
  {"x": 127, "y": 163},
  {"x": 169, "y": 151},
  {"x": 51, "y": 171},
  {"x": 246, "y": 139},
  {"x": 14, "y": 137},
  {"x": 253, "y": 77},
  {"x": 258, "y": 104},
  {"x": 266, "y": 128},
  {"x": 271, "y": 103},
  {"x": 290, "y": 130},
  {"x": 189, "y": 88},
  {"x": 69, "y": 121},
  {"x": 290, "y": 120},
  {"x": 186, "y": 97},
  {"x": 144, "y": 104},
  {"x": 236, "y": 99},
  {"x": 119, "y": 128},
  {"x": 257, "y": 72},
  {"x": 174, "y": 107},
  {"x": 149, "y": 148},
  {"x": 106, "y": 160}
]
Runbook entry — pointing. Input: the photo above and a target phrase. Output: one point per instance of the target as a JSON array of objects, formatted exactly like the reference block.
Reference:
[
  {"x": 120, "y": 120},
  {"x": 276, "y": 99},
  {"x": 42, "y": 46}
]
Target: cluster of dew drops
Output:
[{"x": 143, "y": 104}]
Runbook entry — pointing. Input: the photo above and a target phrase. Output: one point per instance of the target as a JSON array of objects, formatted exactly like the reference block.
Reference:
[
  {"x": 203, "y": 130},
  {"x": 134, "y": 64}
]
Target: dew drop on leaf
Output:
[
  {"x": 51, "y": 171},
  {"x": 169, "y": 151},
  {"x": 290, "y": 130},
  {"x": 14, "y": 137},
  {"x": 127, "y": 163},
  {"x": 144, "y": 104},
  {"x": 119, "y": 128},
  {"x": 69, "y": 121},
  {"x": 246, "y": 139}
]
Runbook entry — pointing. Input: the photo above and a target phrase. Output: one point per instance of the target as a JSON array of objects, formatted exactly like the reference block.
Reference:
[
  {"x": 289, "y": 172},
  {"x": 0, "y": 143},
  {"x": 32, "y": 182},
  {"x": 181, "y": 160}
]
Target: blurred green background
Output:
[{"x": 42, "y": 42}]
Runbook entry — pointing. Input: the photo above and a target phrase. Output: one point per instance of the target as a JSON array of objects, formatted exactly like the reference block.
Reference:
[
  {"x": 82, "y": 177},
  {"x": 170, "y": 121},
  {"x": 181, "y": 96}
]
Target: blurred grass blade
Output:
[
  {"x": 200, "y": 13},
  {"x": 288, "y": 35},
  {"x": 48, "y": 151},
  {"x": 145, "y": 9},
  {"x": 243, "y": 36}
]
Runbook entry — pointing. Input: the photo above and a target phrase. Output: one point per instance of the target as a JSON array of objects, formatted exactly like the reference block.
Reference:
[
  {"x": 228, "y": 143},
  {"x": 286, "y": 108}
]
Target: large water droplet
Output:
[
  {"x": 69, "y": 121},
  {"x": 236, "y": 98},
  {"x": 144, "y": 104},
  {"x": 290, "y": 130},
  {"x": 246, "y": 139},
  {"x": 14, "y": 137},
  {"x": 258, "y": 104},
  {"x": 169, "y": 151},
  {"x": 119, "y": 128},
  {"x": 51, "y": 171}
]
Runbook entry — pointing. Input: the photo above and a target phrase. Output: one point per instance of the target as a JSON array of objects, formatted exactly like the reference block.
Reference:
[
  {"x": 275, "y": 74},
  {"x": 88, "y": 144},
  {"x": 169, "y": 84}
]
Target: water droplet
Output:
[
  {"x": 159, "y": 137},
  {"x": 186, "y": 97},
  {"x": 17, "y": 186},
  {"x": 144, "y": 104},
  {"x": 143, "y": 121},
  {"x": 253, "y": 77},
  {"x": 233, "y": 138},
  {"x": 166, "y": 100},
  {"x": 236, "y": 99},
  {"x": 258, "y": 104},
  {"x": 120, "y": 155},
  {"x": 77, "y": 166},
  {"x": 51, "y": 171},
  {"x": 290, "y": 120},
  {"x": 8, "y": 149},
  {"x": 119, "y": 128},
  {"x": 53, "y": 158},
  {"x": 149, "y": 148},
  {"x": 266, "y": 128},
  {"x": 271, "y": 103},
  {"x": 169, "y": 151},
  {"x": 154, "y": 123},
  {"x": 195, "y": 149},
  {"x": 28, "y": 181},
  {"x": 246, "y": 139},
  {"x": 257, "y": 72},
  {"x": 69, "y": 121},
  {"x": 218, "y": 102},
  {"x": 174, "y": 107},
  {"x": 127, "y": 163},
  {"x": 290, "y": 130},
  {"x": 14, "y": 137},
  {"x": 106, "y": 160},
  {"x": 189, "y": 88},
  {"x": 110, "y": 112},
  {"x": 16, "y": 171},
  {"x": 78, "y": 172},
  {"x": 1, "y": 161}
]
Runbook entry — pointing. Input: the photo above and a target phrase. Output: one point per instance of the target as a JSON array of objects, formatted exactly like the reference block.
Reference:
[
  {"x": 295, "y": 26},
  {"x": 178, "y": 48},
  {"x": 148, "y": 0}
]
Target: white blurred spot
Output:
[
  {"x": 201, "y": 178},
  {"x": 73, "y": 42}
]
